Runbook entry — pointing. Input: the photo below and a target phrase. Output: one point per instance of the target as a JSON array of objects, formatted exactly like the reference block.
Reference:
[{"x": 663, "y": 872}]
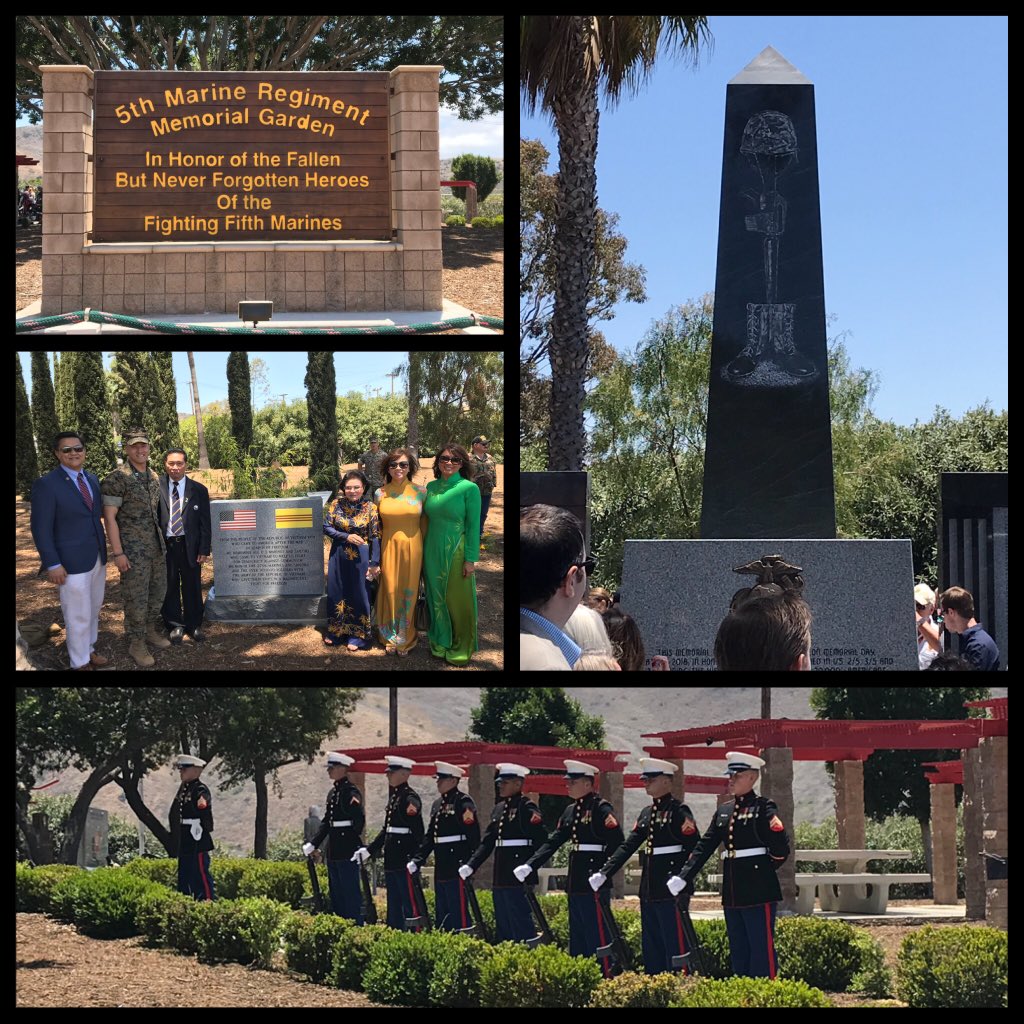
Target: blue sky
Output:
[{"x": 912, "y": 151}]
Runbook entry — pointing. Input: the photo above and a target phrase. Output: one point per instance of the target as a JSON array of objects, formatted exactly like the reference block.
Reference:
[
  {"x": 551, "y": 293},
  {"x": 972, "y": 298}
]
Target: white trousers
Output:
[{"x": 81, "y": 598}]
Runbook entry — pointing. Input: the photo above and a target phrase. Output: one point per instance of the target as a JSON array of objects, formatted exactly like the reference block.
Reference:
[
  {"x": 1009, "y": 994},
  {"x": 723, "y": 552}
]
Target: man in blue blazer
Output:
[
  {"x": 185, "y": 524},
  {"x": 68, "y": 532}
]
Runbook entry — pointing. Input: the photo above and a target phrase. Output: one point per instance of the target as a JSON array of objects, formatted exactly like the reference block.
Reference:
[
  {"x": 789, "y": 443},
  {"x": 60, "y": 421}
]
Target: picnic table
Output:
[{"x": 852, "y": 889}]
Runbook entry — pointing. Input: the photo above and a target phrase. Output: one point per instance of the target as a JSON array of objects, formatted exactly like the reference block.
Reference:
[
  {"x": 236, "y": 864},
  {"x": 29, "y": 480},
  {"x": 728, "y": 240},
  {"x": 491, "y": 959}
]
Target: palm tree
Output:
[{"x": 562, "y": 58}]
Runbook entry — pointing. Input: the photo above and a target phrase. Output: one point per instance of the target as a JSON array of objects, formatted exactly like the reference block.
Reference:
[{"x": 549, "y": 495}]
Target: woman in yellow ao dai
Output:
[{"x": 400, "y": 506}]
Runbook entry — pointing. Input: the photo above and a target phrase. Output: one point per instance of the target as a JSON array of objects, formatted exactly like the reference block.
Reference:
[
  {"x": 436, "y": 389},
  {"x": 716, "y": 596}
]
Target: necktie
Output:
[
  {"x": 84, "y": 488},
  {"x": 176, "y": 529}
]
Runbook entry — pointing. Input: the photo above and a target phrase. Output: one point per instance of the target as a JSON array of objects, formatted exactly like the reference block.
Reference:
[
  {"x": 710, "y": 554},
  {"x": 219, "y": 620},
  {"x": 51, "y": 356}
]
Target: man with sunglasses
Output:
[
  {"x": 344, "y": 821},
  {"x": 68, "y": 533},
  {"x": 553, "y": 571}
]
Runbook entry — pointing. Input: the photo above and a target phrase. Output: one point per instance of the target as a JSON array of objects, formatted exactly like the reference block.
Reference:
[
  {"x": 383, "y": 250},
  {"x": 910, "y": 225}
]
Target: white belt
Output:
[
  {"x": 515, "y": 842},
  {"x": 661, "y": 851},
  {"x": 740, "y": 854},
  {"x": 191, "y": 821},
  {"x": 400, "y": 831},
  {"x": 450, "y": 839},
  {"x": 585, "y": 848},
  {"x": 341, "y": 824}
]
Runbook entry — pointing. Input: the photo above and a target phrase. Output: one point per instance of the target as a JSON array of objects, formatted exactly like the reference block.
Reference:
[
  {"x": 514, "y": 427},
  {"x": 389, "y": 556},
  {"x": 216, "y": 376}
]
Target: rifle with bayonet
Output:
[
  {"x": 479, "y": 929},
  {"x": 616, "y": 949},
  {"x": 545, "y": 937}
]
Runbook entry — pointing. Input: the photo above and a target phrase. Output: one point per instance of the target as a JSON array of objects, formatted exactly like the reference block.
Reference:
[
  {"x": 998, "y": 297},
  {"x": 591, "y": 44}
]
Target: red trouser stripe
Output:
[
  {"x": 605, "y": 965},
  {"x": 206, "y": 881}
]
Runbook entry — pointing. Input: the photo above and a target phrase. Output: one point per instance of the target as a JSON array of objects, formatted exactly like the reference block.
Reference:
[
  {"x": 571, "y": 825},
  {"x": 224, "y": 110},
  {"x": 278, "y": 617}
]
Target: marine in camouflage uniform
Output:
[
  {"x": 134, "y": 495},
  {"x": 485, "y": 475},
  {"x": 369, "y": 462}
]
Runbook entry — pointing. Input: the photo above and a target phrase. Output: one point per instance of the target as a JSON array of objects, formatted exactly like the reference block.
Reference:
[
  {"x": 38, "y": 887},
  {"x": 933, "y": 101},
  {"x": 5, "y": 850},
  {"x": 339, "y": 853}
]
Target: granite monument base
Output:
[
  {"x": 296, "y": 611},
  {"x": 861, "y": 595}
]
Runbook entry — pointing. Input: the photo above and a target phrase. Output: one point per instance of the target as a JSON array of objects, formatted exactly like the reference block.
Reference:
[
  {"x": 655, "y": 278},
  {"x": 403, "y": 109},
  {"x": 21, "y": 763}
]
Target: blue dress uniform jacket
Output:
[
  {"x": 403, "y": 830},
  {"x": 194, "y": 805},
  {"x": 517, "y": 821},
  {"x": 344, "y": 821},
  {"x": 452, "y": 836},
  {"x": 190, "y": 797},
  {"x": 666, "y": 825},
  {"x": 587, "y": 822},
  {"x": 746, "y": 823}
]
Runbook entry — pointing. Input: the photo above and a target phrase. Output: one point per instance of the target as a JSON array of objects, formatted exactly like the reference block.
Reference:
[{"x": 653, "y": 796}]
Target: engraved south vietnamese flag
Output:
[{"x": 293, "y": 518}]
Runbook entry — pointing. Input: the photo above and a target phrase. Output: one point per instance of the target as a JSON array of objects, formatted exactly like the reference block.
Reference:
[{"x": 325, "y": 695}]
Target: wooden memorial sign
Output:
[{"x": 241, "y": 155}]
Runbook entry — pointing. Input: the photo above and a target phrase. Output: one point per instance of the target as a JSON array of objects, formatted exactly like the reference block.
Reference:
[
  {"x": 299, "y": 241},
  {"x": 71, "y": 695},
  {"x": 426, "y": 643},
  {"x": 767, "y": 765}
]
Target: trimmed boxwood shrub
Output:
[
  {"x": 458, "y": 968},
  {"x": 310, "y": 942},
  {"x": 954, "y": 967},
  {"x": 823, "y": 954},
  {"x": 632, "y": 991},
  {"x": 545, "y": 977},
  {"x": 706, "y": 993},
  {"x": 34, "y": 887},
  {"x": 103, "y": 904},
  {"x": 153, "y": 910},
  {"x": 400, "y": 968},
  {"x": 242, "y": 931},
  {"x": 283, "y": 883},
  {"x": 352, "y": 956}
]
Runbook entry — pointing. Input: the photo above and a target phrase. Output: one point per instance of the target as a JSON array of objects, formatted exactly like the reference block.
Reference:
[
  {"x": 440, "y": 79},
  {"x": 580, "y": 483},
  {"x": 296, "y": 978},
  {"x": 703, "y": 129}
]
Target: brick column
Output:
[
  {"x": 943, "y": 798},
  {"x": 995, "y": 760},
  {"x": 416, "y": 186},
  {"x": 67, "y": 183},
  {"x": 481, "y": 789},
  {"x": 613, "y": 789},
  {"x": 777, "y": 785}
]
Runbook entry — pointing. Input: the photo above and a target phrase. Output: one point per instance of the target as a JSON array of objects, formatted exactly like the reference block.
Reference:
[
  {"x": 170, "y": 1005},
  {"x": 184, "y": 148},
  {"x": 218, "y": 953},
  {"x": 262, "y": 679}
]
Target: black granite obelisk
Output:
[{"x": 768, "y": 463}]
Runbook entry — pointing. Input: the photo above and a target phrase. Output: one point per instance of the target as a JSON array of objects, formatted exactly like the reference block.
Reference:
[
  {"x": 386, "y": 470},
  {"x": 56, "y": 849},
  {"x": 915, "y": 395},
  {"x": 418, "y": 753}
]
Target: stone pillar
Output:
[
  {"x": 481, "y": 789},
  {"x": 851, "y": 822},
  {"x": 974, "y": 826},
  {"x": 944, "y": 876},
  {"x": 995, "y": 764},
  {"x": 613, "y": 789},
  {"x": 777, "y": 785},
  {"x": 416, "y": 184},
  {"x": 67, "y": 183}
]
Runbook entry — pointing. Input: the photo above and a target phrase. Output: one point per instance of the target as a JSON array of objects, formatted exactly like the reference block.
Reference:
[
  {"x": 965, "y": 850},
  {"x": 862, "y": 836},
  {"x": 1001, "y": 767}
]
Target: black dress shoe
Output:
[
  {"x": 197, "y": 636},
  {"x": 176, "y": 634}
]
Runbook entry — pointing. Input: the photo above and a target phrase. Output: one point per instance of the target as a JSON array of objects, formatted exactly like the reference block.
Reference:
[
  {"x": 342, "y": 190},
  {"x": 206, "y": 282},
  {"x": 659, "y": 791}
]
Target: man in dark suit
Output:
[
  {"x": 68, "y": 533},
  {"x": 185, "y": 522}
]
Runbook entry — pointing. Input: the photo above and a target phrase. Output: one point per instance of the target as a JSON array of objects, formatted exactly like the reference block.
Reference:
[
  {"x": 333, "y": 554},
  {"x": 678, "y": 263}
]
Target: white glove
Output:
[
  {"x": 361, "y": 856},
  {"x": 676, "y": 885},
  {"x": 465, "y": 871},
  {"x": 197, "y": 831},
  {"x": 523, "y": 872},
  {"x": 412, "y": 867},
  {"x": 596, "y": 881},
  {"x": 307, "y": 849}
]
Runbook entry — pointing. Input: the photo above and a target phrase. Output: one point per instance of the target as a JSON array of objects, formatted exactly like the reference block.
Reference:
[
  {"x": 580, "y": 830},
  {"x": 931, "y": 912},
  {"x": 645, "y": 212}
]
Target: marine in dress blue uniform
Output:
[
  {"x": 515, "y": 833},
  {"x": 195, "y": 813},
  {"x": 590, "y": 824},
  {"x": 452, "y": 836},
  {"x": 343, "y": 824},
  {"x": 399, "y": 840},
  {"x": 665, "y": 834},
  {"x": 756, "y": 844}
]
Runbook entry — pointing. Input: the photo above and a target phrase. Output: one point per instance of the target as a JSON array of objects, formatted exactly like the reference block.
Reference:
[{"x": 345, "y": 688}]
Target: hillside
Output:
[{"x": 430, "y": 715}]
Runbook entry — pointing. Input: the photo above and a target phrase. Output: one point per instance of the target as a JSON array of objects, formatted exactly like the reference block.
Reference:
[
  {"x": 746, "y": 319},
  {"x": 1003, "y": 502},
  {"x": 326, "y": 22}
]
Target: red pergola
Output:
[
  {"x": 370, "y": 760},
  {"x": 826, "y": 740}
]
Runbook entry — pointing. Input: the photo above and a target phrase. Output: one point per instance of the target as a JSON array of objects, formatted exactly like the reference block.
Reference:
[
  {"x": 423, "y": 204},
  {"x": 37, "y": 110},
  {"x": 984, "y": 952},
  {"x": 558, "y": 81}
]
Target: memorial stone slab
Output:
[
  {"x": 860, "y": 593},
  {"x": 768, "y": 460},
  {"x": 94, "y": 847},
  {"x": 268, "y": 561}
]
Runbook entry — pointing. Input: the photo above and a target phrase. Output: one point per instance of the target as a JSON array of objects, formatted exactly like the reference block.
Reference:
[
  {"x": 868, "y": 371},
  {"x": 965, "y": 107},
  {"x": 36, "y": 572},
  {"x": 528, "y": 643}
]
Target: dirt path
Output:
[{"x": 59, "y": 967}]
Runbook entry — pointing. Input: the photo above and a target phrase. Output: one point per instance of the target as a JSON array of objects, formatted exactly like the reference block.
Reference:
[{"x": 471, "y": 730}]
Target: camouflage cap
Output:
[{"x": 134, "y": 435}]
